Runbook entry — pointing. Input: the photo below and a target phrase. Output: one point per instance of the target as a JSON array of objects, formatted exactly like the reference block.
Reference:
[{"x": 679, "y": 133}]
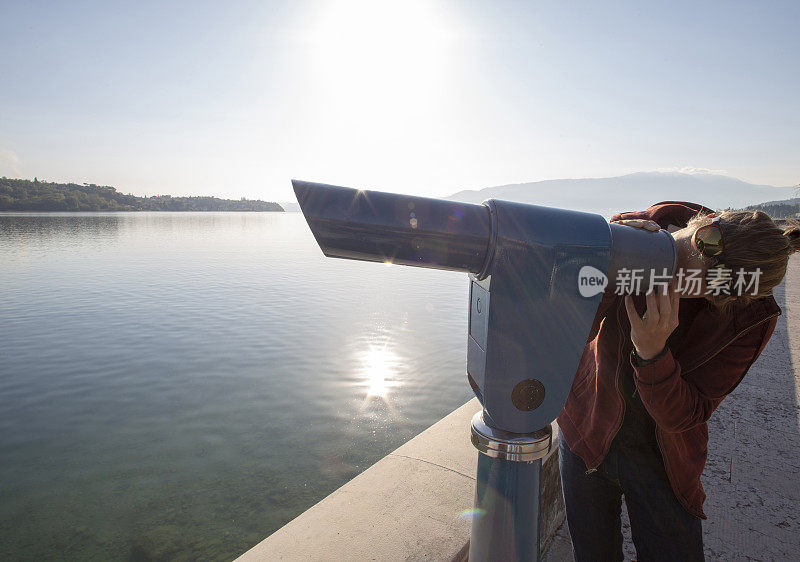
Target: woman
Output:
[{"x": 654, "y": 369}]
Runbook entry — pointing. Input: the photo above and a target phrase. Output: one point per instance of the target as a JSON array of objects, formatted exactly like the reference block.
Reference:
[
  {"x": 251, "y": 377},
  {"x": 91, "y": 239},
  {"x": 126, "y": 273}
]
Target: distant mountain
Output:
[
  {"x": 27, "y": 195},
  {"x": 631, "y": 192},
  {"x": 792, "y": 201}
]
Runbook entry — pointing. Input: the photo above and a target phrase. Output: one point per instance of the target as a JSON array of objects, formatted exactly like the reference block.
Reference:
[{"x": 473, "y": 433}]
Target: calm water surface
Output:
[{"x": 178, "y": 386}]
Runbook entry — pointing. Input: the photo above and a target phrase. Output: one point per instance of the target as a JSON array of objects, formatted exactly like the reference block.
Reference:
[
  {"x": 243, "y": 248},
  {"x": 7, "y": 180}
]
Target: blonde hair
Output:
[{"x": 753, "y": 241}]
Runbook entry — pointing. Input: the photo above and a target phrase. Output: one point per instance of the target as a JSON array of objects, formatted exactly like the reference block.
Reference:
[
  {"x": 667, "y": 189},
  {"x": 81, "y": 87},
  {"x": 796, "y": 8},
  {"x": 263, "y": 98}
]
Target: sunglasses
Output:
[{"x": 708, "y": 241}]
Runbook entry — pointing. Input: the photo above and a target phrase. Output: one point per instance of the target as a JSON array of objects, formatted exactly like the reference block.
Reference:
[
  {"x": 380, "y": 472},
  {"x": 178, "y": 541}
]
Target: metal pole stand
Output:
[{"x": 505, "y": 526}]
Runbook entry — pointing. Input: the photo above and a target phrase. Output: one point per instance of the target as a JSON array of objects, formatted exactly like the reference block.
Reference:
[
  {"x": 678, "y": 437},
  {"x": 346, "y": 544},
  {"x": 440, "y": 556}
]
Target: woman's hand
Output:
[
  {"x": 649, "y": 333},
  {"x": 646, "y": 224}
]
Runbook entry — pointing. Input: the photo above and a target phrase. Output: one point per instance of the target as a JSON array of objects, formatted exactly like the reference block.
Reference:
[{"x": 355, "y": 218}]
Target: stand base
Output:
[{"x": 506, "y": 522}]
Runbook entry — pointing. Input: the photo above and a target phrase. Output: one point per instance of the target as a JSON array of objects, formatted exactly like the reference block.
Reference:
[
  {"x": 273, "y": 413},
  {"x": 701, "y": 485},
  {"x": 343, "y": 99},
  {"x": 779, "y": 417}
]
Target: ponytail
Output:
[{"x": 791, "y": 229}]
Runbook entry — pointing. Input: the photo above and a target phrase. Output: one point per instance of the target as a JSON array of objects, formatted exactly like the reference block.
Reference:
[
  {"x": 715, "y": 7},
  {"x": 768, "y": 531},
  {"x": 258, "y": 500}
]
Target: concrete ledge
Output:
[{"x": 405, "y": 507}]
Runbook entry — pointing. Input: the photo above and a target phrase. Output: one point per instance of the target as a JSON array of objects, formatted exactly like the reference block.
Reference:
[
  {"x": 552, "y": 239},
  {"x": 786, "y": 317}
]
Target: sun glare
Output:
[{"x": 378, "y": 55}]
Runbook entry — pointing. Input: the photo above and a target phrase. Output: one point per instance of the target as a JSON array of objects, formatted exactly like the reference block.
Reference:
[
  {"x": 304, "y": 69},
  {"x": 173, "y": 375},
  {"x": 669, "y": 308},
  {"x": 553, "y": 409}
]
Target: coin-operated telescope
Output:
[{"x": 537, "y": 276}]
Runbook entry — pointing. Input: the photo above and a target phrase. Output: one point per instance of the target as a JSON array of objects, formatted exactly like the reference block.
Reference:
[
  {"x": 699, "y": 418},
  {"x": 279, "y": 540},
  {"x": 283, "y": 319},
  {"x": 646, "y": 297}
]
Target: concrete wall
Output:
[{"x": 408, "y": 506}]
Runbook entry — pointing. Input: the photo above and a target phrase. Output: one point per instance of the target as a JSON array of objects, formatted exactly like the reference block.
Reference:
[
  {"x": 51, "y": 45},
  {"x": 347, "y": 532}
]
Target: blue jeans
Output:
[{"x": 661, "y": 528}]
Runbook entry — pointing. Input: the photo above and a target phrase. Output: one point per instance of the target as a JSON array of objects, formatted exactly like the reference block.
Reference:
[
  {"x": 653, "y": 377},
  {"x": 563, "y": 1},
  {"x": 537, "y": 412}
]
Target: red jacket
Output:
[{"x": 680, "y": 390}]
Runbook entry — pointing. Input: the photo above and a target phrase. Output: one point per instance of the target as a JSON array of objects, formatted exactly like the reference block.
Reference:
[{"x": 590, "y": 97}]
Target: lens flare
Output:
[{"x": 470, "y": 514}]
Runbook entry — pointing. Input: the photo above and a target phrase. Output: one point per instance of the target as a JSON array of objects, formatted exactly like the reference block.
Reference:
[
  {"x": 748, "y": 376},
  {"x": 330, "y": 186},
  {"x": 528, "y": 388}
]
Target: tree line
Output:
[
  {"x": 35, "y": 195},
  {"x": 789, "y": 209}
]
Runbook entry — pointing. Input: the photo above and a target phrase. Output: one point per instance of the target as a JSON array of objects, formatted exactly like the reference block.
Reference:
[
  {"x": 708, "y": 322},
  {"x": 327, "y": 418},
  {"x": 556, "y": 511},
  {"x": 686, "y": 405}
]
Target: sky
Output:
[{"x": 235, "y": 98}]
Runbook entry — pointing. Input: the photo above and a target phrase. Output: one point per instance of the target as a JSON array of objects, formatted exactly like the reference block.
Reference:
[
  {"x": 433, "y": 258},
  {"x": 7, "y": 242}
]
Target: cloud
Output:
[
  {"x": 692, "y": 170},
  {"x": 9, "y": 163}
]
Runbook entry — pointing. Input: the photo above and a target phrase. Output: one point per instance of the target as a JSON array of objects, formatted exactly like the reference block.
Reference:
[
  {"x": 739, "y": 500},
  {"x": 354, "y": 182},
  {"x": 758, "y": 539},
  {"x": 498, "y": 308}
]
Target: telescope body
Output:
[{"x": 537, "y": 277}]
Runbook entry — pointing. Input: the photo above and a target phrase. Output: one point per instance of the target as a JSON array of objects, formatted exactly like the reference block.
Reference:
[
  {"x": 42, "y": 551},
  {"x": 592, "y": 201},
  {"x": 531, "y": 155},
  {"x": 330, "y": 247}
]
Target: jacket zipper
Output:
[
  {"x": 710, "y": 357},
  {"x": 616, "y": 385},
  {"x": 727, "y": 343}
]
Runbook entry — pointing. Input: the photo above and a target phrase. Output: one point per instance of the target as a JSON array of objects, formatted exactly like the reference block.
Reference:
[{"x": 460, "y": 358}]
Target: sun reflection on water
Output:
[{"x": 379, "y": 371}]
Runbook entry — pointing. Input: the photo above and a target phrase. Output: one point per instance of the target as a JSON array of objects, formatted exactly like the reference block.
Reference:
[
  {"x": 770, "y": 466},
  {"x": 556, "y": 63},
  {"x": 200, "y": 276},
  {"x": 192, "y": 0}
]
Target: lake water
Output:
[{"x": 180, "y": 385}]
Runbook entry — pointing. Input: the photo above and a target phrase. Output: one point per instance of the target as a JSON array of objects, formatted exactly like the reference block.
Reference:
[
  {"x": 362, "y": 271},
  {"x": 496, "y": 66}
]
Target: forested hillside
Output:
[
  {"x": 27, "y": 195},
  {"x": 780, "y": 209}
]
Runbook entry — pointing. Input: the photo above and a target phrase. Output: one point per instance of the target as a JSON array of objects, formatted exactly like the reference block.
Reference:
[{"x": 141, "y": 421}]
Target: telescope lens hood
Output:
[{"x": 400, "y": 229}]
